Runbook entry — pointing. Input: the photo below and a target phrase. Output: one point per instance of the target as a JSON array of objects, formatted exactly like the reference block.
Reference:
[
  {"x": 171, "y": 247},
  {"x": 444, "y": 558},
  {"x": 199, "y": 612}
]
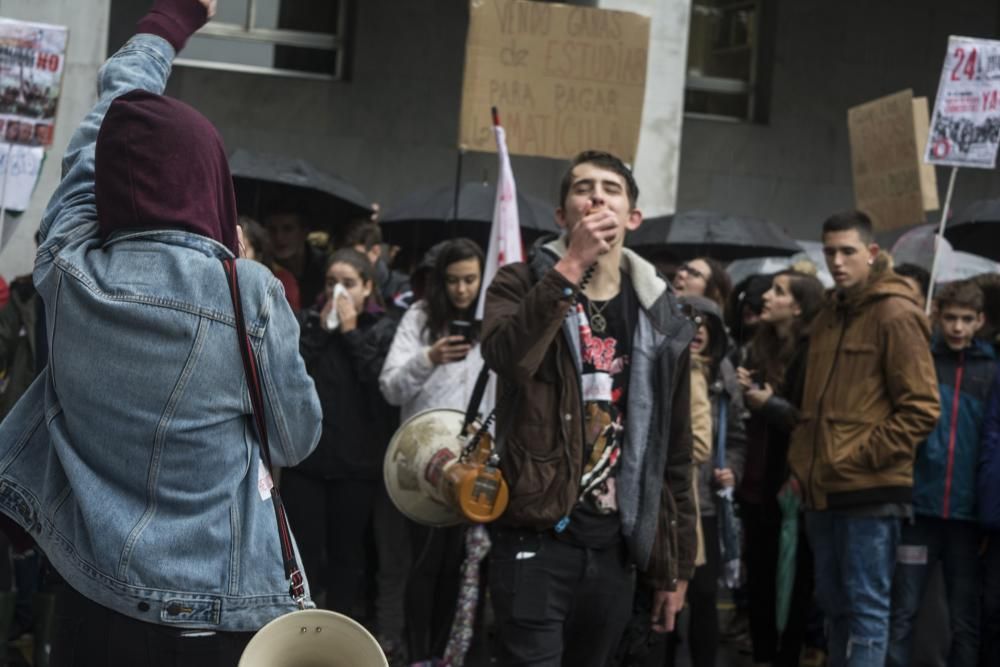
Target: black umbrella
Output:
[
  {"x": 975, "y": 229},
  {"x": 426, "y": 216},
  {"x": 264, "y": 181},
  {"x": 721, "y": 236}
]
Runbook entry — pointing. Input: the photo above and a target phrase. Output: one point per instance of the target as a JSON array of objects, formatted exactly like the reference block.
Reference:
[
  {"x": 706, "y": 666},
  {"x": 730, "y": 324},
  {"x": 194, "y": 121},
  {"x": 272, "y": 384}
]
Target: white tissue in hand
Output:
[{"x": 332, "y": 319}]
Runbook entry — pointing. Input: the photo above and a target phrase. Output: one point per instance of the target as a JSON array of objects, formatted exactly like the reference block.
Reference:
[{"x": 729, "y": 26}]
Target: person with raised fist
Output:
[{"x": 132, "y": 461}]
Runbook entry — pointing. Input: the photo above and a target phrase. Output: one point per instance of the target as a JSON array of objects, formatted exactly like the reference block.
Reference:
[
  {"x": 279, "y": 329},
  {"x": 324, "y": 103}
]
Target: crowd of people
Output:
[{"x": 666, "y": 436}]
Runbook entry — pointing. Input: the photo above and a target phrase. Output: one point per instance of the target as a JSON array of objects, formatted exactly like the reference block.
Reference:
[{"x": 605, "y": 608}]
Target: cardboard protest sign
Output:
[
  {"x": 965, "y": 129},
  {"x": 564, "y": 78},
  {"x": 32, "y": 57},
  {"x": 887, "y": 138}
]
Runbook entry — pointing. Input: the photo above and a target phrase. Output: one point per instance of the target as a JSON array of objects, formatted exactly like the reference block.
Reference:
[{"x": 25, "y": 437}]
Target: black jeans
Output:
[
  {"x": 702, "y": 606},
  {"x": 990, "y": 649},
  {"x": 762, "y": 533},
  {"x": 555, "y": 603},
  {"x": 86, "y": 634},
  {"x": 432, "y": 589},
  {"x": 331, "y": 521}
]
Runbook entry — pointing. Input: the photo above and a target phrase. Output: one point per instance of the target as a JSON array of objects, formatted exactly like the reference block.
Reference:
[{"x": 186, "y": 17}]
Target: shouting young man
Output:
[{"x": 594, "y": 429}]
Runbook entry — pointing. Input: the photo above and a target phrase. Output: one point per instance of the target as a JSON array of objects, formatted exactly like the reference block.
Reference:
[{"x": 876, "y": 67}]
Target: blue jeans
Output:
[
  {"x": 924, "y": 543},
  {"x": 854, "y": 558}
]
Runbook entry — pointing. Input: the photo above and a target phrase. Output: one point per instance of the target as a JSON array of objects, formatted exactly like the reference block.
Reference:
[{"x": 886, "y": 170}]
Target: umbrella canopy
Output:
[
  {"x": 812, "y": 251},
  {"x": 975, "y": 229},
  {"x": 263, "y": 180},
  {"x": 426, "y": 216},
  {"x": 721, "y": 236},
  {"x": 916, "y": 246}
]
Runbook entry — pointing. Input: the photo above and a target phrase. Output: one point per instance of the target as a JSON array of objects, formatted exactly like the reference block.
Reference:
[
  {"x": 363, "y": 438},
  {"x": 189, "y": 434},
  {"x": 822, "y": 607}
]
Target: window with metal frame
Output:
[
  {"x": 726, "y": 60},
  {"x": 300, "y": 38}
]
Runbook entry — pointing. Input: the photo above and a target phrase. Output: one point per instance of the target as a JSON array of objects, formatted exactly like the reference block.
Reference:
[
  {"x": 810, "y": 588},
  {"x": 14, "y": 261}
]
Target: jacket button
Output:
[
  {"x": 569, "y": 417},
  {"x": 143, "y": 606}
]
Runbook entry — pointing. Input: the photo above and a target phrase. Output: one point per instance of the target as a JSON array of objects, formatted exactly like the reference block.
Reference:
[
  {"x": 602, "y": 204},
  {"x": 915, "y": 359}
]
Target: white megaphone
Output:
[
  {"x": 434, "y": 480},
  {"x": 313, "y": 638}
]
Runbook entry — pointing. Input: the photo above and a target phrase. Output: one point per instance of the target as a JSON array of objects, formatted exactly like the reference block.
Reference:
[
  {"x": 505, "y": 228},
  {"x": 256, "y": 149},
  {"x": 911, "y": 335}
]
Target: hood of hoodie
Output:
[
  {"x": 162, "y": 165},
  {"x": 978, "y": 349},
  {"x": 718, "y": 339}
]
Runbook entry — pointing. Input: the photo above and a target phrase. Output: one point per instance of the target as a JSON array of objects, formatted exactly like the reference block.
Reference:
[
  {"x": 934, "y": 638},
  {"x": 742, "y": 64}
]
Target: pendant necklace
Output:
[{"x": 598, "y": 323}]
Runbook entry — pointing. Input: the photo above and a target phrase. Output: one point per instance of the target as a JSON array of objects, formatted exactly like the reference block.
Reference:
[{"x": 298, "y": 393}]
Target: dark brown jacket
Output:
[
  {"x": 531, "y": 339},
  {"x": 870, "y": 397}
]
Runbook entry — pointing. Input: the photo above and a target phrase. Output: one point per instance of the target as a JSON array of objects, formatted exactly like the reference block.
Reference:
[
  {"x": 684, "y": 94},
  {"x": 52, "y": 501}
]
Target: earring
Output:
[{"x": 870, "y": 262}]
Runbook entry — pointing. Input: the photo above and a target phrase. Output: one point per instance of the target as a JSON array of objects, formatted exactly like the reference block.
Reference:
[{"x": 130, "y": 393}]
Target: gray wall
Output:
[
  {"x": 390, "y": 129},
  {"x": 829, "y": 56}
]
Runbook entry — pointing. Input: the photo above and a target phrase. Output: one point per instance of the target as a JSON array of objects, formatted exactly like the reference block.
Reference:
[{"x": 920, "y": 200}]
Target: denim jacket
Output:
[{"x": 131, "y": 459}]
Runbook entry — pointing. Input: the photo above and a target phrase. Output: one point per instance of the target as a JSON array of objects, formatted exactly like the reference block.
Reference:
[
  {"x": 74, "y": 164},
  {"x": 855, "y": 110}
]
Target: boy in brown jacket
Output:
[
  {"x": 870, "y": 397},
  {"x": 595, "y": 432}
]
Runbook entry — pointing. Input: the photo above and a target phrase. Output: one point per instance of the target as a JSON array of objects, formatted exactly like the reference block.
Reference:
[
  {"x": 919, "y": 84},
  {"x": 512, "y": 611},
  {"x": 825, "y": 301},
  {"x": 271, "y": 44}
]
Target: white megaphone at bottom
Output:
[{"x": 313, "y": 638}]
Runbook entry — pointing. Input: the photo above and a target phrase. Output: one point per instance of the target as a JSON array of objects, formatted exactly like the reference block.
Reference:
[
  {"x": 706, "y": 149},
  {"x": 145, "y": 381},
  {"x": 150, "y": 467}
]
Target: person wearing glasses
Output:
[{"x": 705, "y": 277}]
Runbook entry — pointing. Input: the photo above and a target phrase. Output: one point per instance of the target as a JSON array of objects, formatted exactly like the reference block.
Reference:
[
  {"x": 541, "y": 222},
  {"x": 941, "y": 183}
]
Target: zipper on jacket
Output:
[
  {"x": 821, "y": 401},
  {"x": 952, "y": 435},
  {"x": 564, "y": 521}
]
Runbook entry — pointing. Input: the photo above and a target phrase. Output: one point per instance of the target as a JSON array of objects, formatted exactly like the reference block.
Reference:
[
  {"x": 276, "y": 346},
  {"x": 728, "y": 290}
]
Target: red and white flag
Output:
[{"x": 505, "y": 233}]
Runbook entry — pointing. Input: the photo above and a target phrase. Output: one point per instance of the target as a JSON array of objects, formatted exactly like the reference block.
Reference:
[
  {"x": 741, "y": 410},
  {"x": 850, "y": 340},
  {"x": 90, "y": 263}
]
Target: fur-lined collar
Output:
[{"x": 648, "y": 285}]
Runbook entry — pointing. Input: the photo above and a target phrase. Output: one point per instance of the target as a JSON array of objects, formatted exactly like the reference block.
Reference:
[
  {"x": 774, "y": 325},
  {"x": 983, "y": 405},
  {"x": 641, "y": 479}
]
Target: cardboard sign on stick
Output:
[
  {"x": 890, "y": 183},
  {"x": 564, "y": 78},
  {"x": 965, "y": 130}
]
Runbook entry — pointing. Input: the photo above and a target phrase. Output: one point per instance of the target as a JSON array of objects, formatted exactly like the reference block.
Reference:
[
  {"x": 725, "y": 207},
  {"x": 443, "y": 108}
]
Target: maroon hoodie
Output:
[{"x": 159, "y": 163}]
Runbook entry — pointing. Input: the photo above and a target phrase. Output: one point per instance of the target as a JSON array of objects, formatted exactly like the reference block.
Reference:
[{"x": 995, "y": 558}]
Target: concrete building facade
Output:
[
  {"x": 391, "y": 127},
  {"x": 795, "y": 169}
]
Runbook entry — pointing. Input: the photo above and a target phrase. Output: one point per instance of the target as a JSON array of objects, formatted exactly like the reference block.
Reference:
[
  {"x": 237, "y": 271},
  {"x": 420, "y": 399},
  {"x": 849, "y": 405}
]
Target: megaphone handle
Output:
[{"x": 296, "y": 582}]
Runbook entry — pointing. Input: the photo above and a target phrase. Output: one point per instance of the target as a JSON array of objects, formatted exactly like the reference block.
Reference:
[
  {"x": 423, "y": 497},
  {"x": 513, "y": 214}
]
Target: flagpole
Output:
[
  {"x": 939, "y": 239},
  {"x": 458, "y": 189},
  {"x": 504, "y": 247}
]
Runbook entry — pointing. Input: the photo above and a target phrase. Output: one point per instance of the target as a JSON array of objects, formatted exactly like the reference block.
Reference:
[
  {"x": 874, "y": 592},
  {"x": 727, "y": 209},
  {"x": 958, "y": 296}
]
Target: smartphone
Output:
[{"x": 461, "y": 328}]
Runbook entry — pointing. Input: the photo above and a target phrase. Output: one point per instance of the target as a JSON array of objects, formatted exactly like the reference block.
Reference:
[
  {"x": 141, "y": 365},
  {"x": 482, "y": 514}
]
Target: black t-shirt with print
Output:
[{"x": 606, "y": 346}]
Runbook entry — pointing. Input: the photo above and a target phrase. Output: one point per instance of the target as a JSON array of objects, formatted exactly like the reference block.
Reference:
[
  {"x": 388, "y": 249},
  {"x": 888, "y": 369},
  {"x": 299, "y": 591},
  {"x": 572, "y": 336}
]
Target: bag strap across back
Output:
[{"x": 296, "y": 582}]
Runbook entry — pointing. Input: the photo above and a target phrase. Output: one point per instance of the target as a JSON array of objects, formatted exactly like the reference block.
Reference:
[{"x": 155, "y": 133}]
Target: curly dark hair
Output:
[
  {"x": 772, "y": 353},
  {"x": 605, "y": 161},
  {"x": 961, "y": 294},
  {"x": 440, "y": 310}
]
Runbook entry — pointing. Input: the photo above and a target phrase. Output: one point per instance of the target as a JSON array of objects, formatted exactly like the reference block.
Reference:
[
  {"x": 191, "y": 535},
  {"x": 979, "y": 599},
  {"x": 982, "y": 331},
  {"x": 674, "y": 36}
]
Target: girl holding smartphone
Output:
[{"x": 430, "y": 365}]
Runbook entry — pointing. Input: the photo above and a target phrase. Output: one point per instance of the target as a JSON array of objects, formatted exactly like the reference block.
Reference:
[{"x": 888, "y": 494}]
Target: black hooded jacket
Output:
[{"x": 357, "y": 421}]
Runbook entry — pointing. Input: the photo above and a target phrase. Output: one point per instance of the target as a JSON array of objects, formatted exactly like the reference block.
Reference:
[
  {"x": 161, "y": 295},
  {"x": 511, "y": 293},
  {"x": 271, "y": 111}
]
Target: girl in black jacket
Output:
[
  {"x": 772, "y": 391},
  {"x": 331, "y": 496}
]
